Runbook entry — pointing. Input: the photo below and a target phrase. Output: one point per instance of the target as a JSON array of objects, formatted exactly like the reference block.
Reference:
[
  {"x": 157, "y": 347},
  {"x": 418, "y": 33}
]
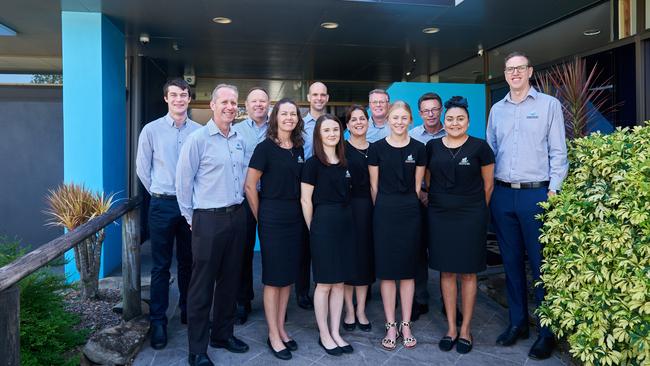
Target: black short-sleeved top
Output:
[
  {"x": 358, "y": 167},
  {"x": 331, "y": 183},
  {"x": 397, "y": 165},
  {"x": 458, "y": 171},
  {"x": 281, "y": 170}
]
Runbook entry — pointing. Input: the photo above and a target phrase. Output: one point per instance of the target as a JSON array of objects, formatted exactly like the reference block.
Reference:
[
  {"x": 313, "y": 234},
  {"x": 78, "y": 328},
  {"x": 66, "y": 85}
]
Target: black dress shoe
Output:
[
  {"x": 199, "y": 360},
  {"x": 347, "y": 349},
  {"x": 336, "y": 351},
  {"x": 542, "y": 348},
  {"x": 231, "y": 344},
  {"x": 364, "y": 327},
  {"x": 512, "y": 334},
  {"x": 158, "y": 336},
  {"x": 241, "y": 315},
  {"x": 291, "y": 345},
  {"x": 283, "y": 354},
  {"x": 304, "y": 302},
  {"x": 418, "y": 309},
  {"x": 183, "y": 317}
]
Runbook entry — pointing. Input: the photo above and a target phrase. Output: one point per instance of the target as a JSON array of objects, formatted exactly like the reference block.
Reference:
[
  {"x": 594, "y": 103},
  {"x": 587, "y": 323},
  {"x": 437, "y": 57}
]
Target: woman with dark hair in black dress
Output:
[
  {"x": 277, "y": 162},
  {"x": 460, "y": 175},
  {"x": 363, "y": 275},
  {"x": 396, "y": 167},
  {"x": 325, "y": 199}
]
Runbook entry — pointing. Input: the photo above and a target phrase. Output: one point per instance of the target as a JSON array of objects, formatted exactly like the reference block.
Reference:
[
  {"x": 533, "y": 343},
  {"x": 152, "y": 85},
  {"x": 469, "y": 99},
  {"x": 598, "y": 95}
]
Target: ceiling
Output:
[{"x": 282, "y": 39}]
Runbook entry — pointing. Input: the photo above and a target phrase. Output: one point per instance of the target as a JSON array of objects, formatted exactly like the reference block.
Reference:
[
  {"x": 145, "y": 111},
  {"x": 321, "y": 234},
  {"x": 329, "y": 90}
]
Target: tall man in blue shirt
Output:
[
  {"x": 210, "y": 190},
  {"x": 526, "y": 131},
  {"x": 253, "y": 131},
  {"x": 158, "y": 148},
  {"x": 379, "y": 102}
]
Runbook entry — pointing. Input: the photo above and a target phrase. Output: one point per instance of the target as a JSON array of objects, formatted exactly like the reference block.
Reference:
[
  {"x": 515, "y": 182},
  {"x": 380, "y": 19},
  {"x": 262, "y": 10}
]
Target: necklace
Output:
[
  {"x": 288, "y": 148},
  {"x": 453, "y": 156},
  {"x": 363, "y": 152}
]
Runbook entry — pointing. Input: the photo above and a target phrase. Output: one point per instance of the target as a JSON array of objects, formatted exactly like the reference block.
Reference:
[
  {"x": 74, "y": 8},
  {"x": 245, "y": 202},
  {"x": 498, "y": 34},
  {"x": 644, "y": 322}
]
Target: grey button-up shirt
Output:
[
  {"x": 528, "y": 140},
  {"x": 308, "y": 135},
  {"x": 210, "y": 171},
  {"x": 376, "y": 133},
  {"x": 252, "y": 135},
  {"x": 421, "y": 134},
  {"x": 159, "y": 144}
]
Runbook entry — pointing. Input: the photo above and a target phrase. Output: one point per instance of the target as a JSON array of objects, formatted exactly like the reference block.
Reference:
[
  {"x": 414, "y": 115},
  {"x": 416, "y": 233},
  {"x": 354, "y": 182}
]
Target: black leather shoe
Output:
[
  {"x": 158, "y": 336},
  {"x": 304, "y": 302},
  {"x": 283, "y": 354},
  {"x": 291, "y": 345},
  {"x": 183, "y": 317},
  {"x": 336, "y": 351},
  {"x": 542, "y": 348},
  {"x": 231, "y": 344},
  {"x": 241, "y": 315},
  {"x": 512, "y": 334},
  {"x": 199, "y": 360},
  {"x": 418, "y": 309}
]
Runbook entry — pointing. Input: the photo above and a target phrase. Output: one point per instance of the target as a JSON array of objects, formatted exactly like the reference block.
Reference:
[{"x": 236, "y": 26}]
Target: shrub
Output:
[
  {"x": 47, "y": 334},
  {"x": 596, "y": 238}
]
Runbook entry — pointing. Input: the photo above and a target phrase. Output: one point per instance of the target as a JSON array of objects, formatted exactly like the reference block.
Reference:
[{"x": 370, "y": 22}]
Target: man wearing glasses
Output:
[
  {"x": 526, "y": 131},
  {"x": 379, "y": 101}
]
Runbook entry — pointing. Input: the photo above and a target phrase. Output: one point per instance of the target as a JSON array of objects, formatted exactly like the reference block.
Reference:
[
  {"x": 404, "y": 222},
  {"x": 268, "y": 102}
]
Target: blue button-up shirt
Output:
[
  {"x": 376, "y": 133},
  {"x": 159, "y": 144},
  {"x": 308, "y": 135},
  {"x": 210, "y": 171},
  {"x": 528, "y": 140},
  {"x": 252, "y": 135},
  {"x": 421, "y": 134}
]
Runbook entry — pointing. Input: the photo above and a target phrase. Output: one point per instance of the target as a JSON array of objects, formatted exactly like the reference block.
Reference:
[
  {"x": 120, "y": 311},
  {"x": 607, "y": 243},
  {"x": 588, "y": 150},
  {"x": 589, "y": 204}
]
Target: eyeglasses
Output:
[
  {"x": 430, "y": 111},
  {"x": 378, "y": 102},
  {"x": 511, "y": 69}
]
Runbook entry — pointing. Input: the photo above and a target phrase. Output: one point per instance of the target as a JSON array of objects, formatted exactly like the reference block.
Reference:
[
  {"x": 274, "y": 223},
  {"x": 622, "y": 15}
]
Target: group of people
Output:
[{"x": 386, "y": 204}]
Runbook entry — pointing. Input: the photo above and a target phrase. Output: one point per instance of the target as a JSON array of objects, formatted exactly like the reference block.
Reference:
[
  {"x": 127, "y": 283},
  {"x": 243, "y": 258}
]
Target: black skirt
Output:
[
  {"x": 331, "y": 239},
  {"x": 457, "y": 233},
  {"x": 280, "y": 224},
  {"x": 396, "y": 230},
  {"x": 363, "y": 251}
]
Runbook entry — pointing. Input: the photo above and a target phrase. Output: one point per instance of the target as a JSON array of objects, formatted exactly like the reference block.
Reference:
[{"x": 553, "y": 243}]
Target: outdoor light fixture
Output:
[
  {"x": 329, "y": 25},
  {"x": 222, "y": 20},
  {"x": 430, "y": 30},
  {"x": 6, "y": 31},
  {"x": 591, "y": 32}
]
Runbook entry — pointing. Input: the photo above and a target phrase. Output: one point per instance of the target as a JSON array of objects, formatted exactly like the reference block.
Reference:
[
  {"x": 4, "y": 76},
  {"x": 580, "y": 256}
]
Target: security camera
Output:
[{"x": 144, "y": 38}]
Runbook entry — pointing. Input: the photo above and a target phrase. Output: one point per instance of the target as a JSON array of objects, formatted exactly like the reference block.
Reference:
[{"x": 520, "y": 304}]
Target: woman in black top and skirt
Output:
[
  {"x": 460, "y": 173},
  {"x": 363, "y": 275},
  {"x": 396, "y": 166},
  {"x": 277, "y": 162},
  {"x": 325, "y": 199}
]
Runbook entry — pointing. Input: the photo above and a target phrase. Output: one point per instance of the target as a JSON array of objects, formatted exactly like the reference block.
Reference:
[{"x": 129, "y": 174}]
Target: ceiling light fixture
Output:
[
  {"x": 6, "y": 31},
  {"x": 329, "y": 25},
  {"x": 222, "y": 20},
  {"x": 591, "y": 32},
  {"x": 408, "y": 73},
  {"x": 430, "y": 30}
]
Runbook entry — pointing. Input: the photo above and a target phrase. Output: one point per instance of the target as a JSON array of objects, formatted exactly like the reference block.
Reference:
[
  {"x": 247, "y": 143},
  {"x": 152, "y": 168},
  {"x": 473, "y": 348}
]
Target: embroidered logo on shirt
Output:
[
  {"x": 239, "y": 147},
  {"x": 409, "y": 159},
  {"x": 347, "y": 174},
  {"x": 532, "y": 115},
  {"x": 300, "y": 159},
  {"x": 464, "y": 161}
]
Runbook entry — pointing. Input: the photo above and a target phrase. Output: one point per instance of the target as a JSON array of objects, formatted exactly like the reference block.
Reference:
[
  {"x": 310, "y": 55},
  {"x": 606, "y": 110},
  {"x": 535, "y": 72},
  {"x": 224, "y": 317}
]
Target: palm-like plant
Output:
[{"x": 71, "y": 205}]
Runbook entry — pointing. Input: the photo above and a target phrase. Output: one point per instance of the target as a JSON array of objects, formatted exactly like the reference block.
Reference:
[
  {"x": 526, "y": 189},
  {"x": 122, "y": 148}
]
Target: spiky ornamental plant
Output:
[{"x": 71, "y": 205}]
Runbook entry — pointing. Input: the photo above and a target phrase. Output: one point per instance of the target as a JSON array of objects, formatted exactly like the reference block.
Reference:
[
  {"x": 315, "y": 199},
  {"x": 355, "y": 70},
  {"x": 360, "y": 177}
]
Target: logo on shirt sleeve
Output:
[{"x": 409, "y": 159}]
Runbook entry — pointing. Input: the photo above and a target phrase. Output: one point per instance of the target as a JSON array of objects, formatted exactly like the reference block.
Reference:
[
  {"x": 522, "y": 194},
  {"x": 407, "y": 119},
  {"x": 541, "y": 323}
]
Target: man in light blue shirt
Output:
[
  {"x": 379, "y": 102},
  {"x": 253, "y": 131},
  {"x": 210, "y": 191},
  {"x": 318, "y": 99},
  {"x": 526, "y": 132},
  {"x": 159, "y": 145}
]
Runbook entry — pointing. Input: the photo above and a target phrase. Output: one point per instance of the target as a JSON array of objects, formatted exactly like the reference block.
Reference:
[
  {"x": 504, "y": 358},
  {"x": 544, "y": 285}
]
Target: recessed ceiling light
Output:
[
  {"x": 329, "y": 25},
  {"x": 431, "y": 30},
  {"x": 6, "y": 31},
  {"x": 408, "y": 73},
  {"x": 591, "y": 32},
  {"x": 222, "y": 20}
]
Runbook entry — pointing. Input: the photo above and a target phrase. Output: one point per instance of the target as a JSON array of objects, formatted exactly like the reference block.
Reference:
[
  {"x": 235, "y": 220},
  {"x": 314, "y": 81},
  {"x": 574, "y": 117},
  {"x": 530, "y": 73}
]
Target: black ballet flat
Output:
[
  {"x": 336, "y": 351},
  {"x": 349, "y": 327},
  {"x": 291, "y": 345},
  {"x": 447, "y": 343},
  {"x": 364, "y": 327},
  {"x": 347, "y": 349},
  {"x": 283, "y": 354}
]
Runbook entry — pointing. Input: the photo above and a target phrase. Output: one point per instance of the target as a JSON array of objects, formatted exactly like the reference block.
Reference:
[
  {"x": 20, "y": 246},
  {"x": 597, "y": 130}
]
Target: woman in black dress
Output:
[
  {"x": 277, "y": 162},
  {"x": 396, "y": 166},
  {"x": 356, "y": 154},
  {"x": 325, "y": 199},
  {"x": 460, "y": 174}
]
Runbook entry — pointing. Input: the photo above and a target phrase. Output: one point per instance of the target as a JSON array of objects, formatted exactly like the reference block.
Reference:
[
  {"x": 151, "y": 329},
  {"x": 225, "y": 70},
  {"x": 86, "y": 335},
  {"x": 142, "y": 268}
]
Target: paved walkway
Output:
[{"x": 489, "y": 320}]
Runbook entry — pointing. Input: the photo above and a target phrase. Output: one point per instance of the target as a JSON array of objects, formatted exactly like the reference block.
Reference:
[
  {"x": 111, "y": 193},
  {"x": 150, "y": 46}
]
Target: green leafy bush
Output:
[
  {"x": 596, "y": 238},
  {"x": 47, "y": 334}
]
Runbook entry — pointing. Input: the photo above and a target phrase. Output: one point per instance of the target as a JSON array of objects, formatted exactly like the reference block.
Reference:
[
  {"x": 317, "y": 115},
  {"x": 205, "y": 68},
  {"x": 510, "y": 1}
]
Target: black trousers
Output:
[
  {"x": 422, "y": 274},
  {"x": 245, "y": 293},
  {"x": 166, "y": 224},
  {"x": 217, "y": 248},
  {"x": 304, "y": 274}
]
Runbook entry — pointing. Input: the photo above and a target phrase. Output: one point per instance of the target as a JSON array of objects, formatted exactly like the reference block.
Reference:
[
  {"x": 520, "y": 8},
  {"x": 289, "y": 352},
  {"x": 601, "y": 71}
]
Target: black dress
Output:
[
  {"x": 331, "y": 234},
  {"x": 396, "y": 220},
  {"x": 457, "y": 210},
  {"x": 280, "y": 220},
  {"x": 363, "y": 269}
]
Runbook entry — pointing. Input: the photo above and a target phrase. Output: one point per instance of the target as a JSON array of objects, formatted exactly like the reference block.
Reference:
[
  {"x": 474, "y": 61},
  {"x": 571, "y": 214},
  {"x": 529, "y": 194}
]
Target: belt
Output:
[
  {"x": 523, "y": 185},
  {"x": 220, "y": 209},
  {"x": 164, "y": 196}
]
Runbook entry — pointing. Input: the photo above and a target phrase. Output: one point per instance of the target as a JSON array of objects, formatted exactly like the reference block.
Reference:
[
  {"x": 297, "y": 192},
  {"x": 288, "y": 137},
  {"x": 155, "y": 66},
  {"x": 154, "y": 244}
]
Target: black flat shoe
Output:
[
  {"x": 336, "y": 351},
  {"x": 364, "y": 327},
  {"x": 347, "y": 349},
  {"x": 447, "y": 343},
  {"x": 305, "y": 302},
  {"x": 283, "y": 354},
  {"x": 231, "y": 344},
  {"x": 512, "y": 334},
  {"x": 542, "y": 348},
  {"x": 158, "y": 336},
  {"x": 199, "y": 360},
  {"x": 349, "y": 327},
  {"x": 291, "y": 345},
  {"x": 464, "y": 345}
]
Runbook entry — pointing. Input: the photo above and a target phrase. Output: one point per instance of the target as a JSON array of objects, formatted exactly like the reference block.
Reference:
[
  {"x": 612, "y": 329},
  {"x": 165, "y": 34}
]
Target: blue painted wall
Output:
[{"x": 94, "y": 116}]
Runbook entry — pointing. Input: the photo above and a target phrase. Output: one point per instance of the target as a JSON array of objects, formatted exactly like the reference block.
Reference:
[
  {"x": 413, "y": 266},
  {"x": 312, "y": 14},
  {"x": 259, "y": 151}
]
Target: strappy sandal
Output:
[
  {"x": 408, "y": 342},
  {"x": 388, "y": 343}
]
